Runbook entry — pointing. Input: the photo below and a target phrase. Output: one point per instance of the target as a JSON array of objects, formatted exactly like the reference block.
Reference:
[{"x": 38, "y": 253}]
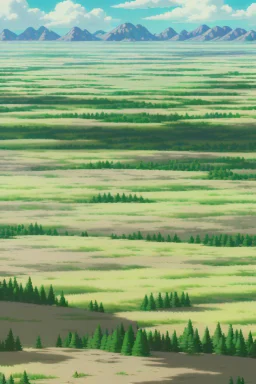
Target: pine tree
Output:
[
  {"x": 167, "y": 345},
  {"x": 139, "y": 348},
  {"x": 3, "y": 381},
  {"x": 39, "y": 343},
  {"x": 116, "y": 342},
  {"x": 240, "y": 345},
  {"x": 109, "y": 343},
  {"x": 95, "y": 306},
  {"x": 231, "y": 381},
  {"x": 62, "y": 301},
  {"x": 104, "y": 341},
  {"x": 217, "y": 335},
  {"x": 250, "y": 345},
  {"x": 230, "y": 346},
  {"x": 175, "y": 343},
  {"x": 96, "y": 340},
  {"x": 59, "y": 342},
  {"x": 67, "y": 341},
  {"x": 197, "y": 342},
  {"x": 11, "y": 380},
  {"x": 166, "y": 301},
  {"x": 182, "y": 299},
  {"x": 191, "y": 347},
  {"x": 101, "y": 308},
  {"x": 187, "y": 301},
  {"x": 18, "y": 346},
  {"x": 144, "y": 303},
  {"x": 159, "y": 302},
  {"x": 90, "y": 307},
  {"x": 10, "y": 342},
  {"x": 51, "y": 296},
  {"x": 175, "y": 300},
  {"x": 207, "y": 346},
  {"x": 151, "y": 303},
  {"x": 43, "y": 298},
  {"x": 220, "y": 348},
  {"x": 24, "y": 379}
]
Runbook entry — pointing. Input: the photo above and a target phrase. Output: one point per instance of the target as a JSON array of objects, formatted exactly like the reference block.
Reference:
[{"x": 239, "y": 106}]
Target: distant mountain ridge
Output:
[{"x": 130, "y": 32}]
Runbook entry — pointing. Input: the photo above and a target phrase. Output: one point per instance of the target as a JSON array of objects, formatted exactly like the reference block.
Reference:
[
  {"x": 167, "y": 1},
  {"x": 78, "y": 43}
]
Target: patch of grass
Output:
[
  {"x": 34, "y": 377},
  {"x": 80, "y": 375},
  {"x": 122, "y": 373}
]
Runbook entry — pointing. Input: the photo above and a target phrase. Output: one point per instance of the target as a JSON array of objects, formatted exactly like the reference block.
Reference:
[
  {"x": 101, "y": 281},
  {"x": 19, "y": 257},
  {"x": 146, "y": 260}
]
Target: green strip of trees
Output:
[
  {"x": 11, "y": 344},
  {"x": 12, "y": 291},
  {"x": 173, "y": 300},
  {"x": 109, "y": 198},
  {"x": 223, "y": 240},
  {"x": 141, "y": 343}
]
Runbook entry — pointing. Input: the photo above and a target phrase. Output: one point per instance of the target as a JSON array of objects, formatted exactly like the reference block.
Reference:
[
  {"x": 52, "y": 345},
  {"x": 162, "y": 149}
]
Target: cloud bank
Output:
[{"x": 17, "y": 14}]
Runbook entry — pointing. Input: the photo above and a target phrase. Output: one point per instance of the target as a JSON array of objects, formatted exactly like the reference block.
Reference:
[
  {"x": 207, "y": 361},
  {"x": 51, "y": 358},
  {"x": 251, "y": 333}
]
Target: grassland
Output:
[{"x": 43, "y": 179}]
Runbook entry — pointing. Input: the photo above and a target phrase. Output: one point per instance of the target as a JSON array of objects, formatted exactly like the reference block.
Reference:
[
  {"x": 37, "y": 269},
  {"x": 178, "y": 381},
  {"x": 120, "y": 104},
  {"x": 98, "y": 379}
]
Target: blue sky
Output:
[{"x": 156, "y": 15}]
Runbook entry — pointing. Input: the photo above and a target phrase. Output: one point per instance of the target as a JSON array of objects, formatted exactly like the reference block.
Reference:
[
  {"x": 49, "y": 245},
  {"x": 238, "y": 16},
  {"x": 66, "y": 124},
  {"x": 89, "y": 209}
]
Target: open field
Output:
[
  {"x": 100, "y": 366},
  {"x": 78, "y": 123}
]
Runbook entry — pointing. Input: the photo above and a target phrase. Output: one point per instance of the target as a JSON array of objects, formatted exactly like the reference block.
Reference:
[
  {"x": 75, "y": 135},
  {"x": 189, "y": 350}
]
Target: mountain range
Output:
[{"x": 130, "y": 32}]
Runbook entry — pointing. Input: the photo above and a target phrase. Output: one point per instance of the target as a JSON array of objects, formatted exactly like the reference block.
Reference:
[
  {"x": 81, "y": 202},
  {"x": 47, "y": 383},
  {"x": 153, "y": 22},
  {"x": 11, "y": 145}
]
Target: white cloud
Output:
[
  {"x": 250, "y": 12},
  {"x": 192, "y": 10},
  {"x": 142, "y": 4},
  {"x": 68, "y": 13},
  {"x": 16, "y": 14}
]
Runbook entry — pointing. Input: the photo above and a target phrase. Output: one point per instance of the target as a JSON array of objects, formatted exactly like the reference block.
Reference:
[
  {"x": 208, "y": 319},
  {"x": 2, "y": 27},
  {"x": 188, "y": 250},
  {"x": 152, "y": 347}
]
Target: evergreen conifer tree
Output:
[
  {"x": 144, "y": 304},
  {"x": 96, "y": 340},
  {"x": 220, "y": 348},
  {"x": 18, "y": 346},
  {"x": 166, "y": 301},
  {"x": 207, "y": 346},
  {"x": 51, "y": 296},
  {"x": 39, "y": 343},
  {"x": 175, "y": 343},
  {"x": 116, "y": 342},
  {"x": 151, "y": 303},
  {"x": 128, "y": 342},
  {"x": 104, "y": 341},
  {"x": 139, "y": 348},
  {"x": 216, "y": 337},
  {"x": 59, "y": 342},
  {"x": 3, "y": 380},
  {"x": 10, "y": 342},
  {"x": 159, "y": 302},
  {"x": 230, "y": 346},
  {"x": 101, "y": 308},
  {"x": 11, "y": 380},
  {"x": 24, "y": 379},
  {"x": 197, "y": 342}
]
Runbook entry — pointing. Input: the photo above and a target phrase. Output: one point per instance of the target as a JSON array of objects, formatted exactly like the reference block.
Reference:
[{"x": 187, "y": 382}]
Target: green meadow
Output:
[{"x": 66, "y": 115}]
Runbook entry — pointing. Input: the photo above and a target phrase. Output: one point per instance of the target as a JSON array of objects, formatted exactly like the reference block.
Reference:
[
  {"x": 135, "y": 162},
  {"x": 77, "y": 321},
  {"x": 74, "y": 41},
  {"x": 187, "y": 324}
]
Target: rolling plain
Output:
[{"x": 86, "y": 119}]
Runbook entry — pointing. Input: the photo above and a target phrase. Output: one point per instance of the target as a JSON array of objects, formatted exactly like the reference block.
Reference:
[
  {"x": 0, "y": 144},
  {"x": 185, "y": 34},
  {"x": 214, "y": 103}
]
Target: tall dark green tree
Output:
[
  {"x": 97, "y": 336},
  {"x": 207, "y": 346},
  {"x": 59, "y": 342},
  {"x": 139, "y": 348},
  {"x": 39, "y": 343}
]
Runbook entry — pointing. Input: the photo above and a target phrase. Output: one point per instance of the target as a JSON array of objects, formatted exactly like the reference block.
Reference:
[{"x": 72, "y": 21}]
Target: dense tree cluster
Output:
[
  {"x": 240, "y": 380},
  {"x": 172, "y": 165},
  {"x": 140, "y": 118},
  {"x": 173, "y": 300},
  {"x": 224, "y": 174},
  {"x": 12, "y": 291},
  {"x": 156, "y": 237},
  {"x": 24, "y": 379},
  {"x": 9, "y": 231},
  {"x": 117, "y": 341},
  {"x": 142, "y": 343},
  {"x": 222, "y": 240},
  {"x": 10, "y": 344},
  {"x": 95, "y": 307},
  {"x": 108, "y": 198}
]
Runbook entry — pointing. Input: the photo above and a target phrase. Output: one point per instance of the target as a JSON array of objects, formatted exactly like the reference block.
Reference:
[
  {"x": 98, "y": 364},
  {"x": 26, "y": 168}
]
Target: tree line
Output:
[
  {"x": 141, "y": 343},
  {"x": 109, "y": 198},
  {"x": 224, "y": 174},
  {"x": 12, "y": 291},
  {"x": 173, "y": 300},
  {"x": 240, "y": 380},
  {"x": 24, "y": 379},
  {"x": 95, "y": 307},
  {"x": 140, "y": 118},
  {"x": 9, "y": 231},
  {"x": 11, "y": 344},
  {"x": 223, "y": 240}
]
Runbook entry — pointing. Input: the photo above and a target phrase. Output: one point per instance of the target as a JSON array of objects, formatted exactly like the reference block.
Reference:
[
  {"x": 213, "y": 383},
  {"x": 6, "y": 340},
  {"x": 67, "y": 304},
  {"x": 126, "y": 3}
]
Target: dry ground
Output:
[{"x": 116, "y": 369}]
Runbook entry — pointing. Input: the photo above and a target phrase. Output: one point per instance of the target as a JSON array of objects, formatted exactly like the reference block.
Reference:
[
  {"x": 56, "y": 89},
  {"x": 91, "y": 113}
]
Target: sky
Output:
[{"x": 156, "y": 15}]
